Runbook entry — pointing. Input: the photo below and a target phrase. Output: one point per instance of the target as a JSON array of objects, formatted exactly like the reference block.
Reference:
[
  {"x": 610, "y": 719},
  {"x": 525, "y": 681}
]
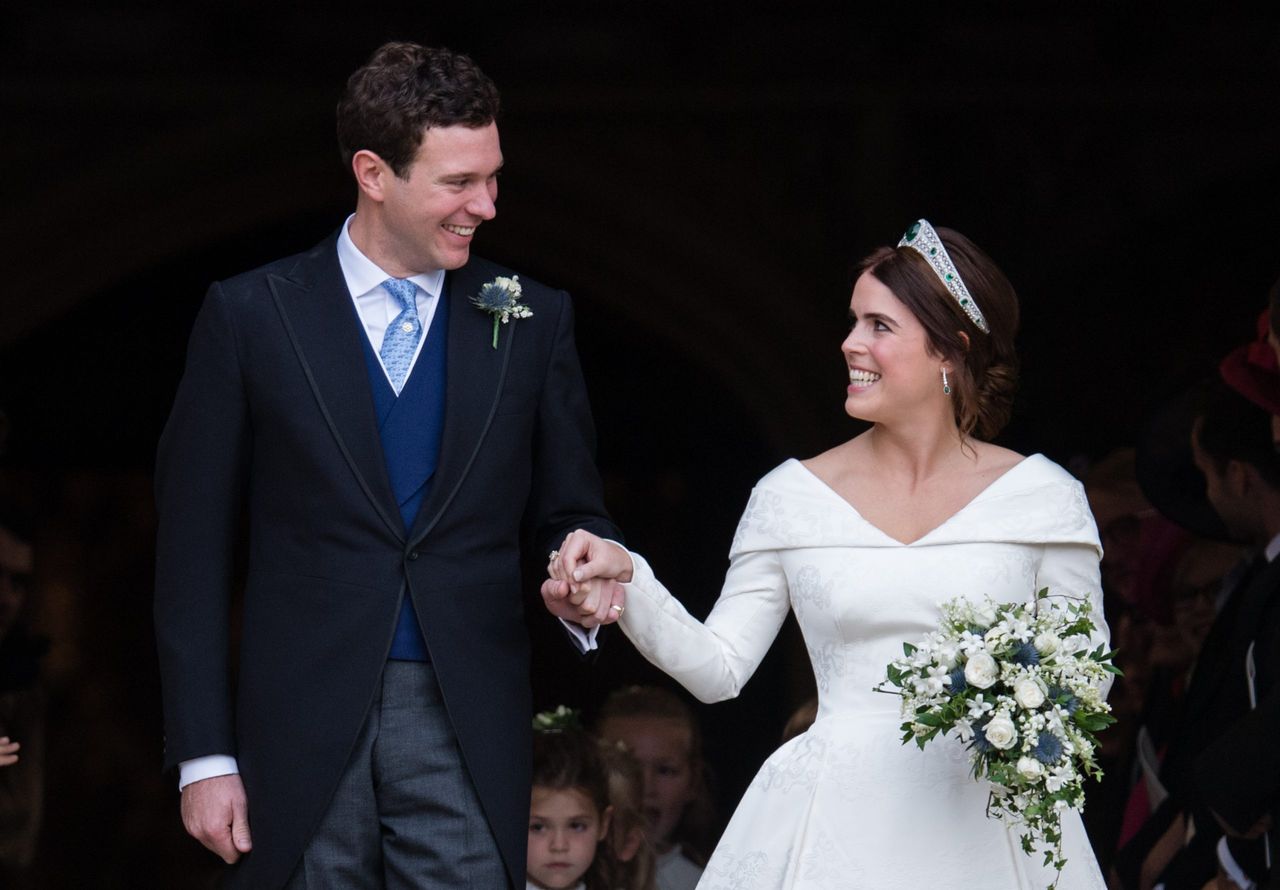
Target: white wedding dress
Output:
[{"x": 846, "y": 804}]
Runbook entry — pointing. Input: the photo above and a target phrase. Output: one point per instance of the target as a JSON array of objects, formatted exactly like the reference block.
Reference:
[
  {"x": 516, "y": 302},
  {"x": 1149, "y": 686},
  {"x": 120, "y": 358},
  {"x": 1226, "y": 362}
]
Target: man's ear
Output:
[
  {"x": 371, "y": 173},
  {"x": 1241, "y": 478}
]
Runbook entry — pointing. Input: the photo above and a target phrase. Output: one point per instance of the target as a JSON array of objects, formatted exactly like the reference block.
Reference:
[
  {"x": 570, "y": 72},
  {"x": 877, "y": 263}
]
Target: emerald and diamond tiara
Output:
[{"x": 922, "y": 238}]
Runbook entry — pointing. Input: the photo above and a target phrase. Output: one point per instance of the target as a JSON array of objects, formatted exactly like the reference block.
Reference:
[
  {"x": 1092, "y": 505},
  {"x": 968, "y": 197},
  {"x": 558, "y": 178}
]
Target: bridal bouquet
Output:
[{"x": 1020, "y": 685}]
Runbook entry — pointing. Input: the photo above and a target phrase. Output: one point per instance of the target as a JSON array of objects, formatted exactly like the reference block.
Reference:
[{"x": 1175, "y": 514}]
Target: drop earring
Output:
[{"x": 946, "y": 387}]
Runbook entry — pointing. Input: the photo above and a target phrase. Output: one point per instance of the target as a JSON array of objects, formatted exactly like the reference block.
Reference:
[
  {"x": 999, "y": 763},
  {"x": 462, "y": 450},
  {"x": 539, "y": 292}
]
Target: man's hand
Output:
[
  {"x": 8, "y": 751},
  {"x": 583, "y": 580},
  {"x": 216, "y": 813},
  {"x": 600, "y": 602}
]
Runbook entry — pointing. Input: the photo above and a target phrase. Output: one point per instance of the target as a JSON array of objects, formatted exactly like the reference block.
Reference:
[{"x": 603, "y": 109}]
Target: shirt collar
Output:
[
  {"x": 1272, "y": 549},
  {"x": 363, "y": 274}
]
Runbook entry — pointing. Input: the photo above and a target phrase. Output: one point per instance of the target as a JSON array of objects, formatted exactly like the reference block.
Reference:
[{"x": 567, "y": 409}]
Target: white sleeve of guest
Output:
[
  {"x": 713, "y": 660},
  {"x": 1073, "y": 570}
]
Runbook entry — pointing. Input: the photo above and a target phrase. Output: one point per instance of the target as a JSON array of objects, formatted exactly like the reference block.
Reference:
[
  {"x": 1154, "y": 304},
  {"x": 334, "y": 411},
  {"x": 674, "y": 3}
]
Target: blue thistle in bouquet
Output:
[{"x": 1020, "y": 684}]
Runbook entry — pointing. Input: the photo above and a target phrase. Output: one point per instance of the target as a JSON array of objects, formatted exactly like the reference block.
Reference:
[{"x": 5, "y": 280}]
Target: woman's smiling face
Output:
[{"x": 892, "y": 371}]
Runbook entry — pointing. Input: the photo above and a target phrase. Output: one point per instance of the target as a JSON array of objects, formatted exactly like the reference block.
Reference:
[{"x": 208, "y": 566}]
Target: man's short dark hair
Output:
[
  {"x": 402, "y": 90},
  {"x": 1234, "y": 428}
]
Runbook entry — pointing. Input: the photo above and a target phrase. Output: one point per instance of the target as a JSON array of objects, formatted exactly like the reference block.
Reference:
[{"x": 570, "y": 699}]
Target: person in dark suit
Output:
[
  {"x": 1239, "y": 781},
  {"x": 391, "y": 444},
  {"x": 1183, "y": 845},
  {"x": 1235, "y": 776}
]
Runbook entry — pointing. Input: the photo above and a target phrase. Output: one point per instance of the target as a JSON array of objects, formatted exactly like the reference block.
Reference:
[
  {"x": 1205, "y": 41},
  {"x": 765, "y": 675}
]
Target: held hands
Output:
[
  {"x": 216, "y": 813},
  {"x": 583, "y": 584}
]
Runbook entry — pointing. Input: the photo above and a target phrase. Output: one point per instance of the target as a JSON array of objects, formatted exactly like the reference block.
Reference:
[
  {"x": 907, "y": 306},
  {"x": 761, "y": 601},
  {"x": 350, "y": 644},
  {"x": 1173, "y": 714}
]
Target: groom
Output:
[{"x": 390, "y": 445}]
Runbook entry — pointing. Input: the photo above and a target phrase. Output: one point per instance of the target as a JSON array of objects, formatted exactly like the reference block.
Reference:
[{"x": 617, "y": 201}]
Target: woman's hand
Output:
[{"x": 583, "y": 575}]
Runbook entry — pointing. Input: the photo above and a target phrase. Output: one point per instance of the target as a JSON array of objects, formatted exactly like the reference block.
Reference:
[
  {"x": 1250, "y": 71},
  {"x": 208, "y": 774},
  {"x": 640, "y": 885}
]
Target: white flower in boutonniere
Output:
[{"x": 501, "y": 299}]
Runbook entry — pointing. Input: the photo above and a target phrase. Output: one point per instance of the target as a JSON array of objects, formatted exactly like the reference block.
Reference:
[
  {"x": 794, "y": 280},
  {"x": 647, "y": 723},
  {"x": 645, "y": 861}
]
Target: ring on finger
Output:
[
  {"x": 619, "y": 609},
  {"x": 553, "y": 556}
]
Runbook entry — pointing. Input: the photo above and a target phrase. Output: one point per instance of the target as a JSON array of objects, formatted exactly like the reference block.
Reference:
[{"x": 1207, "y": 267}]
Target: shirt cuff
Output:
[
  {"x": 1231, "y": 868},
  {"x": 583, "y": 638},
  {"x": 200, "y": 768}
]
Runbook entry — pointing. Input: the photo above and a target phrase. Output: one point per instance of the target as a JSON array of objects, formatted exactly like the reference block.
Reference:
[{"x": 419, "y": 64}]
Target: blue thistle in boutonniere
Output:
[{"x": 501, "y": 299}]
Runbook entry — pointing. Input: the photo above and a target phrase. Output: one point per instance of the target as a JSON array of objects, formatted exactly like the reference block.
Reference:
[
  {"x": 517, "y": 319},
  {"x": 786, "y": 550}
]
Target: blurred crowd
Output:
[{"x": 1190, "y": 525}]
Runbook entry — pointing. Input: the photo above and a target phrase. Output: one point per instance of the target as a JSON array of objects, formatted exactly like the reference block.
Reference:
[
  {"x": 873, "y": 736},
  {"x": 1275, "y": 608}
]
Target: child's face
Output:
[
  {"x": 662, "y": 746},
  {"x": 564, "y": 829}
]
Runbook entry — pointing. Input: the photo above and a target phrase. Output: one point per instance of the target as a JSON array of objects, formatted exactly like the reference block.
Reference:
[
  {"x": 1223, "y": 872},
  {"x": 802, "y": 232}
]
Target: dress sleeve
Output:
[
  {"x": 713, "y": 660},
  {"x": 1072, "y": 569}
]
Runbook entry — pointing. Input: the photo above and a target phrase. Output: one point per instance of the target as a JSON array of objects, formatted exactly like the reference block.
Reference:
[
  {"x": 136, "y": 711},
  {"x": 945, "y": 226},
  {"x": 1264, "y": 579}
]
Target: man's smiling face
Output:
[{"x": 432, "y": 214}]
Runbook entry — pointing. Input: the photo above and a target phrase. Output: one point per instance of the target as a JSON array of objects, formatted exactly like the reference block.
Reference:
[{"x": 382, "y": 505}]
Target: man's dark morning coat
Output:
[{"x": 274, "y": 423}]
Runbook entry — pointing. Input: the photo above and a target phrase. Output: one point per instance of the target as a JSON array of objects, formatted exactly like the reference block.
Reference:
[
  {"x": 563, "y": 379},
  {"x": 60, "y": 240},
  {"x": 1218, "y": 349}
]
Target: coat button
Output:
[{"x": 413, "y": 554}]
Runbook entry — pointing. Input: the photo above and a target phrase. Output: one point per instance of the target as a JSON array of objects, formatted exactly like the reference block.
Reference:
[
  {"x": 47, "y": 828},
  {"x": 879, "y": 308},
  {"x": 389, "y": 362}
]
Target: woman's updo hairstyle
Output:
[{"x": 984, "y": 371}]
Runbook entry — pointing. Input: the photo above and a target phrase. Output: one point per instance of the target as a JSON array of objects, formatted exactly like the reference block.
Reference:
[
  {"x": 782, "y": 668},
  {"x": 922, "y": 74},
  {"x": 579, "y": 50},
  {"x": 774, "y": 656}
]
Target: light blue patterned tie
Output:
[{"x": 402, "y": 336}]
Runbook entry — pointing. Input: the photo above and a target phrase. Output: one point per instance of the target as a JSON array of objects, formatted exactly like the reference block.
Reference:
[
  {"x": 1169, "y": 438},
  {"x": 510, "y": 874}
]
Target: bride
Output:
[{"x": 864, "y": 542}]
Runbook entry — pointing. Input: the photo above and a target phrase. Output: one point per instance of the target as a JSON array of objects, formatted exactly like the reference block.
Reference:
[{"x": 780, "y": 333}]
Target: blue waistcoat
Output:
[{"x": 410, "y": 427}]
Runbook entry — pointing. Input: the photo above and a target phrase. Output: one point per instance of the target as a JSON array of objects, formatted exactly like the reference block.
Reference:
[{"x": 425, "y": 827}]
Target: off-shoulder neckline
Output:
[{"x": 981, "y": 495}]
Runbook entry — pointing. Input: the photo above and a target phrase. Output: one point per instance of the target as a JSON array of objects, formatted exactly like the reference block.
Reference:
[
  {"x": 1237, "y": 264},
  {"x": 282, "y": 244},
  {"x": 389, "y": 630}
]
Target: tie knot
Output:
[{"x": 404, "y": 291}]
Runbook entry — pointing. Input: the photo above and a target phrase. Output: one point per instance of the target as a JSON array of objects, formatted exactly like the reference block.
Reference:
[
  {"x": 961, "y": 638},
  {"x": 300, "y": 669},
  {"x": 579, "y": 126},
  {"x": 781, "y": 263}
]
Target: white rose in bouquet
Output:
[
  {"x": 1001, "y": 732},
  {"x": 984, "y": 613},
  {"x": 1029, "y": 768},
  {"x": 981, "y": 671},
  {"x": 1028, "y": 693},
  {"x": 1075, "y": 643},
  {"x": 1047, "y": 642}
]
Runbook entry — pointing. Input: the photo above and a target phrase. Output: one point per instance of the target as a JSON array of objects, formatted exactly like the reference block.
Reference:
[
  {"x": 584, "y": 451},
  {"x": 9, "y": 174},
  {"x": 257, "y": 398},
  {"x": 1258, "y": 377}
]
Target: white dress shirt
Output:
[{"x": 376, "y": 306}]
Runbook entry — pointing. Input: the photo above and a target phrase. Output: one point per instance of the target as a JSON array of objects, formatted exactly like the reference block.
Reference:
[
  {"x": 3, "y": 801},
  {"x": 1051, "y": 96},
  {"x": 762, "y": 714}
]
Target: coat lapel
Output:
[
  {"x": 323, "y": 327},
  {"x": 474, "y": 377},
  {"x": 1221, "y": 658}
]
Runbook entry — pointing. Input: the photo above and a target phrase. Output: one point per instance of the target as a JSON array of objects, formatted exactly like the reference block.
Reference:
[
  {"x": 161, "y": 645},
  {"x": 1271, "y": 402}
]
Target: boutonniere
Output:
[{"x": 501, "y": 299}]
